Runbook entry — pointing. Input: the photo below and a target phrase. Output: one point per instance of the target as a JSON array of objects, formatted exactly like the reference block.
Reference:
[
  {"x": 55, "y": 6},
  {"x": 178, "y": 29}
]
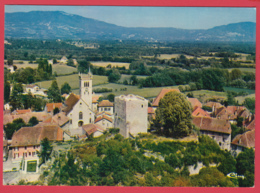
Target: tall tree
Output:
[
  {"x": 65, "y": 88},
  {"x": 45, "y": 151},
  {"x": 174, "y": 115},
  {"x": 54, "y": 92}
]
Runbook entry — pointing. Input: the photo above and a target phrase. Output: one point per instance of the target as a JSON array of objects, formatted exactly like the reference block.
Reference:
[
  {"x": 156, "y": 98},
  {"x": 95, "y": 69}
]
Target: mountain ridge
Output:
[{"x": 62, "y": 25}]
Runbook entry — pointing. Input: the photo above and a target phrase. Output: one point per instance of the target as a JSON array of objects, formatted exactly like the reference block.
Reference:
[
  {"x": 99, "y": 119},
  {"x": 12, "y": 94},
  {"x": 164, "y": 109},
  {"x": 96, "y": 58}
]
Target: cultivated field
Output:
[
  {"x": 241, "y": 99},
  {"x": 113, "y": 64},
  {"x": 63, "y": 69},
  {"x": 144, "y": 92},
  {"x": 24, "y": 64}
]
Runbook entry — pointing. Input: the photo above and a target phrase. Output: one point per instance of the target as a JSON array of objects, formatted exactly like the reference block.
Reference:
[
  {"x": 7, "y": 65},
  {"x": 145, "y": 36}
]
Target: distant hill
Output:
[{"x": 61, "y": 25}]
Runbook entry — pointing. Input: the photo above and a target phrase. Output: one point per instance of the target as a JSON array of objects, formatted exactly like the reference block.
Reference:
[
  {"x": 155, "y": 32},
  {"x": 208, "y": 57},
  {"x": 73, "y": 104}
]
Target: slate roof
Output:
[
  {"x": 92, "y": 128},
  {"x": 27, "y": 136},
  {"x": 212, "y": 124},
  {"x": 163, "y": 92},
  {"x": 195, "y": 103},
  {"x": 199, "y": 112},
  {"x": 246, "y": 139},
  {"x": 105, "y": 103}
]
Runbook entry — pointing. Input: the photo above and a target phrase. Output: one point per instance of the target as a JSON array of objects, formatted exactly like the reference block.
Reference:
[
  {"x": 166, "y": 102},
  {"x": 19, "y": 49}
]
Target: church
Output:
[{"x": 79, "y": 107}]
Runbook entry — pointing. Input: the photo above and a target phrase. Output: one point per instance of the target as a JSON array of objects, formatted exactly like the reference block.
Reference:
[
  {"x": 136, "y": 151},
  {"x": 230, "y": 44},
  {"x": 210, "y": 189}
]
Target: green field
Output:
[
  {"x": 63, "y": 69},
  {"x": 249, "y": 91},
  {"x": 73, "y": 81}
]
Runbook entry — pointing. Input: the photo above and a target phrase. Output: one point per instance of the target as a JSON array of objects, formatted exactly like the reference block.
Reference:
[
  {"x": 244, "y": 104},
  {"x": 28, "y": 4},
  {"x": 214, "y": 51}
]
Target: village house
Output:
[
  {"x": 35, "y": 90},
  {"x": 21, "y": 111},
  {"x": 49, "y": 107},
  {"x": 107, "y": 106},
  {"x": 41, "y": 116},
  {"x": 199, "y": 112},
  {"x": 213, "y": 106},
  {"x": 93, "y": 129},
  {"x": 231, "y": 113},
  {"x": 131, "y": 112},
  {"x": 195, "y": 103},
  {"x": 151, "y": 114},
  {"x": 242, "y": 141},
  {"x": 64, "y": 60},
  {"x": 31, "y": 88},
  {"x": 59, "y": 119},
  {"x": 95, "y": 103},
  {"x": 104, "y": 121},
  {"x": 217, "y": 129},
  {"x": 162, "y": 93},
  {"x": 27, "y": 140}
]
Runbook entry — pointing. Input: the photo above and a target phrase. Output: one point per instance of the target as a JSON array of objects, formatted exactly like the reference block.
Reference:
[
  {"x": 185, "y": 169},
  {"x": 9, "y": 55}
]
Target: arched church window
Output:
[
  {"x": 80, "y": 115},
  {"x": 89, "y": 120}
]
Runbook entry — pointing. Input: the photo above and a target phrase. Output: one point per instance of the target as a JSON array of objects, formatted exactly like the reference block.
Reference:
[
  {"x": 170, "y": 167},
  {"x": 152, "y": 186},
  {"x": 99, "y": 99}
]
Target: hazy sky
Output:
[{"x": 179, "y": 17}]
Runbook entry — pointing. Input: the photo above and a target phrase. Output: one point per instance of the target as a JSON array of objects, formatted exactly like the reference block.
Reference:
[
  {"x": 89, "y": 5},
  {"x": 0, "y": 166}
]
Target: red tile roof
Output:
[
  {"x": 251, "y": 125},
  {"x": 92, "y": 128},
  {"x": 103, "y": 112},
  {"x": 103, "y": 117},
  {"x": 163, "y": 92},
  {"x": 70, "y": 102},
  {"x": 95, "y": 99},
  {"x": 41, "y": 116},
  {"x": 30, "y": 85},
  {"x": 51, "y": 106},
  {"x": 60, "y": 119},
  {"x": 151, "y": 110},
  {"x": 27, "y": 136},
  {"x": 215, "y": 104},
  {"x": 246, "y": 139},
  {"x": 212, "y": 124},
  {"x": 195, "y": 103},
  {"x": 105, "y": 103},
  {"x": 22, "y": 111},
  {"x": 198, "y": 112}
]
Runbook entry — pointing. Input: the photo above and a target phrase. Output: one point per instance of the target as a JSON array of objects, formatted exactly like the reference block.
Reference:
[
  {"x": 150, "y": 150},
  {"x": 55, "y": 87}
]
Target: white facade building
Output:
[
  {"x": 131, "y": 113},
  {"x": 79, "y": 108}
]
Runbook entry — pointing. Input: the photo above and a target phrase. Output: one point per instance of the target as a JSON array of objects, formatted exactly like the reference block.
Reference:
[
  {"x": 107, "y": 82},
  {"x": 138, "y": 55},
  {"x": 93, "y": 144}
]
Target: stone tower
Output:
[
  {"x": 85, "y": 88},
  {"x": 131, "y": 114}
]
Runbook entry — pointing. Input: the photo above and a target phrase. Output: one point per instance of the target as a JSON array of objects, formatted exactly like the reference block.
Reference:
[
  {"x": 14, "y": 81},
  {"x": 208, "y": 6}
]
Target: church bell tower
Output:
[{"x": 85, "y": 88}]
